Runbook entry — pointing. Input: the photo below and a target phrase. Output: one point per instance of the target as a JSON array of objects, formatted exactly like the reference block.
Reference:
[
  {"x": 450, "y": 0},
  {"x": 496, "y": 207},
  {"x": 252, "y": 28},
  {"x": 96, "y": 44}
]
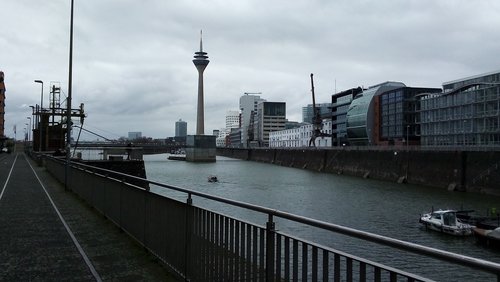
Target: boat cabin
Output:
[{"x": 447, "y": 217}]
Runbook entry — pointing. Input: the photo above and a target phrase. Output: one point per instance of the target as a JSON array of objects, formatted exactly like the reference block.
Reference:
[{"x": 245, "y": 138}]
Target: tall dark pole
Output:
[
  {"x": 29, "y": 129},
  {"x": 68, "y": 100},
  {"x": 40, "y": 119},
  {"x": 33, "y": 122}
]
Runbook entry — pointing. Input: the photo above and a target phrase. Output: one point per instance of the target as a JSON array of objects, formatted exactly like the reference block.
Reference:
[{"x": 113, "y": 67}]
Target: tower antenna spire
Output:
[{"x": 201, "y": 40}]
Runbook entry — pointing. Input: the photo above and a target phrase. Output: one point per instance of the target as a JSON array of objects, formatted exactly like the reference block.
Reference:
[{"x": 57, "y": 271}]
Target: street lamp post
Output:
[
  {"x": 26, "y": 134},
  {"x": 40, "y": 118},
  {"x": 33, "y": 123},
  {"x": 29, "y": 129},
  {"x": 68, "y": 100}
]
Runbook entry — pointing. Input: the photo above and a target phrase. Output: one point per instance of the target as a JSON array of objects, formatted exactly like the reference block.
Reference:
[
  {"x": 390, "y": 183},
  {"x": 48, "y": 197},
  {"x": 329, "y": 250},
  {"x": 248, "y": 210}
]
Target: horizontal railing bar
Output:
[{"x": 371, "y": 237}]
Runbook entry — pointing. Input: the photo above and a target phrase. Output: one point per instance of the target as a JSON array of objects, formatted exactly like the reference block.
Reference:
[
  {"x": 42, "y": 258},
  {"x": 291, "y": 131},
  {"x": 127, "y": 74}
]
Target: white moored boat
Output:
[{"x": 446, "y": 221}]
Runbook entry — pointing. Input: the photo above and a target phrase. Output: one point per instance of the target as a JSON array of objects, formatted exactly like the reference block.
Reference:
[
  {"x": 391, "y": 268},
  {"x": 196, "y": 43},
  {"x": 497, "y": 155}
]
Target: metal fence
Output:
[{"x": 201, "y": 245}]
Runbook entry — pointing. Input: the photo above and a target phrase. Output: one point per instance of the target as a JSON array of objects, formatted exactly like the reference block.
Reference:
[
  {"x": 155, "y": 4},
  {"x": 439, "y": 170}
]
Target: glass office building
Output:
[
  {"x": 466, "y": 114},
  {"x": 180, "y": 128},
  {"x": 363, "y": 114},
  {"x": 340, "y": 106},
  {"x": 399, "y": 115}
]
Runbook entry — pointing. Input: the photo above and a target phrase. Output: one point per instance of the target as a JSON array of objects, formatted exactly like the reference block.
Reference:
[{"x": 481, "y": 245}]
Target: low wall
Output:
[{"x": 454, "y": 170}]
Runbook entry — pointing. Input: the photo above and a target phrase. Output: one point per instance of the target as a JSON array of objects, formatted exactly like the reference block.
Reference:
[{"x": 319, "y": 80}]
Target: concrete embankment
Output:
[{"x": 476, "y": 171}]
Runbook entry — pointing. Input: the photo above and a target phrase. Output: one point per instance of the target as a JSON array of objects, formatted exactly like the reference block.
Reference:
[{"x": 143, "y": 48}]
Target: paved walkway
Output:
[{"x": 48, "y": 234}]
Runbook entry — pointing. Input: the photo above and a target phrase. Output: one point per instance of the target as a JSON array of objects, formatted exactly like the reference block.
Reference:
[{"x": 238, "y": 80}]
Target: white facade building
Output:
[
  {"x": 232, "y": 121},
  {"x": 220, "y": 141},
  {"x": 300, "y": 136}
]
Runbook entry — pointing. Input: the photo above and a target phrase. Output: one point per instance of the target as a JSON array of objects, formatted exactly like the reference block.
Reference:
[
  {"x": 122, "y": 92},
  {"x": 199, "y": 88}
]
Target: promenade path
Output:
[{"x": 48, "y": 234}]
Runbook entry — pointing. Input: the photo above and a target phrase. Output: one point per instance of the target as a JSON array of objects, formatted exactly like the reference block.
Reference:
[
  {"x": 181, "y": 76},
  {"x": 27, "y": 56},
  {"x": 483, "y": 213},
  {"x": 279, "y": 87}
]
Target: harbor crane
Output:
[{"x": 316, "y": 119}]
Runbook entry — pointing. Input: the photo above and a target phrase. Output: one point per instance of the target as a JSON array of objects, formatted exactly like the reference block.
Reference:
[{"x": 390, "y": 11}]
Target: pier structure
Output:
[{"x": 200, "y": 147}]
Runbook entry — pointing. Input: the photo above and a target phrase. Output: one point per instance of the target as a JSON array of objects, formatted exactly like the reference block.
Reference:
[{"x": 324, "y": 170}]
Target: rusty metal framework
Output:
[{"x": 50, "y": 125}]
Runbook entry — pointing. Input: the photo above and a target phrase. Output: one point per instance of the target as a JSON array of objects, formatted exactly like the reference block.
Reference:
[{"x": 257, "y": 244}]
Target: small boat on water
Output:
[
  {"x": 488, "y": 237},
  {"x": 446, "y": 221},
  {"x": 212, "y": 178}
]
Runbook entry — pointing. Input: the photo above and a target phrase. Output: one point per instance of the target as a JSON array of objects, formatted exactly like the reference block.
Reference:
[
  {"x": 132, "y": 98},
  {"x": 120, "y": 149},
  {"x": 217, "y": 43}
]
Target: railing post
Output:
[
  {"x": 187, "y": 245},
  {"x": 270, "y": 237}
]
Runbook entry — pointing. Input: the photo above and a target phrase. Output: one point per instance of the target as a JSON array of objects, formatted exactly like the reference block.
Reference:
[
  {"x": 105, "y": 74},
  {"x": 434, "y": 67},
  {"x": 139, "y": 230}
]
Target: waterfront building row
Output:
[{"x": 465, "y": 112}]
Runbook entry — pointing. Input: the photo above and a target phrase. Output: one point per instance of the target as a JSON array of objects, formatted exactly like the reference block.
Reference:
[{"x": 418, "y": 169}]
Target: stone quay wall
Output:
[{"x": 474, "y": 171}]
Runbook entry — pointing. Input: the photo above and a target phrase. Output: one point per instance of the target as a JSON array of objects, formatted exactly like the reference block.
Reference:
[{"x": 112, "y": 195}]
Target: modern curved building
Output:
[{"x": 363, "y": 117}]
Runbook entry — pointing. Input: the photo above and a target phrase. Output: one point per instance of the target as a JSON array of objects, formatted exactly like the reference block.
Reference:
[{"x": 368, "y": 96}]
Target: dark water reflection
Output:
[{"x": 383, "y": 208}]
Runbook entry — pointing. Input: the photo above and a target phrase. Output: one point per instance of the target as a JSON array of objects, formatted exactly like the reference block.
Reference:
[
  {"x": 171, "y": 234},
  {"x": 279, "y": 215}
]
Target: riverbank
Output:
[{"x": 471, "y": 171}]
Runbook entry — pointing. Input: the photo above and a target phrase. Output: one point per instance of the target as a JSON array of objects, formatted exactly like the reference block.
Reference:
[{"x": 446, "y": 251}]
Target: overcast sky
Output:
[{"x": 133, "y": 70}]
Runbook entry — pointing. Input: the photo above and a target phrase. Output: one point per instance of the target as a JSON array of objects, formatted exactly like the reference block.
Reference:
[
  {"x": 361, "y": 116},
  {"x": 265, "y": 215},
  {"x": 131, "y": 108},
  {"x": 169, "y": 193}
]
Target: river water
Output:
[{"x": 383, "y": 208}]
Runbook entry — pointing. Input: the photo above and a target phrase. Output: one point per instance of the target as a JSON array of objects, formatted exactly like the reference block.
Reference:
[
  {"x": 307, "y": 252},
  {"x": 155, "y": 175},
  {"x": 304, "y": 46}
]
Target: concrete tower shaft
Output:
[{"x": 200, "y": 61}]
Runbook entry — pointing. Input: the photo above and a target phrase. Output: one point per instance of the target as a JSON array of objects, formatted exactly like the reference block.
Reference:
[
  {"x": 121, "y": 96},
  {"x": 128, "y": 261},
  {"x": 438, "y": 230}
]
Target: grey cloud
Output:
[{"x": 132, "y": 59}]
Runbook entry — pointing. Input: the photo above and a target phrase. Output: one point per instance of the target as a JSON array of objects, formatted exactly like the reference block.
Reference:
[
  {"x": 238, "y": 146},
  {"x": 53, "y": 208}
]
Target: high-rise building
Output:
[
  {"x": 248, "y": 108},
  {"x": 232, "y": 120},
  {"x": 271, "y": 116},
  {"x": 180, "y": 128},
  {"x": 233, "y": 124},
  {"x": 2, "y": 105}
]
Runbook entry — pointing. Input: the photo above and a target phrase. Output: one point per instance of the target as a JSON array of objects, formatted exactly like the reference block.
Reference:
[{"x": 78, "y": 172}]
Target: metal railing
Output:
[{"x": 201, "y": 245}]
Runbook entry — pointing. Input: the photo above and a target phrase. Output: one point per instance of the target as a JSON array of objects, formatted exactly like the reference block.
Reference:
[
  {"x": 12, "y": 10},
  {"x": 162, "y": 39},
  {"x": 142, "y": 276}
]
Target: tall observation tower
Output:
[
  {"x": 200, "y": 147},
  {"x": 200, "y": 61}
]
